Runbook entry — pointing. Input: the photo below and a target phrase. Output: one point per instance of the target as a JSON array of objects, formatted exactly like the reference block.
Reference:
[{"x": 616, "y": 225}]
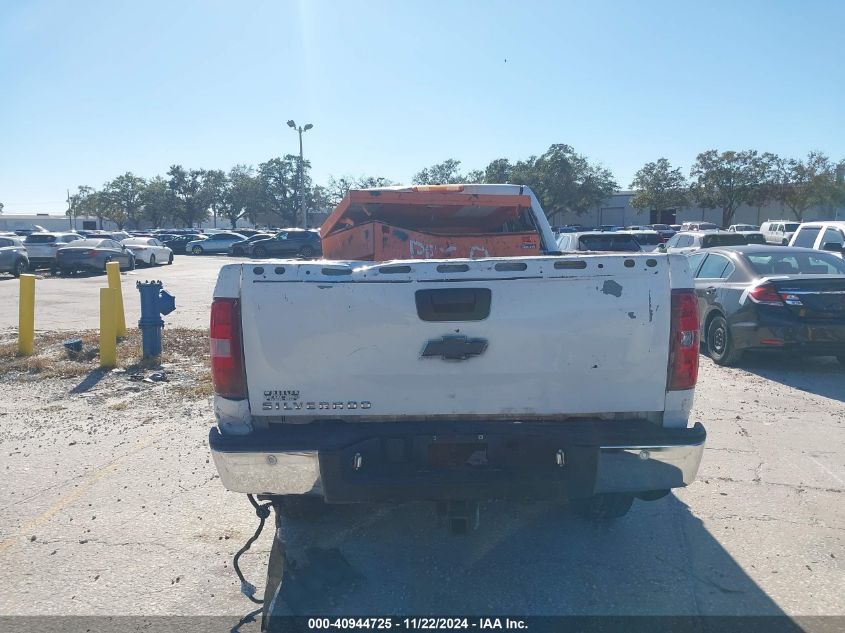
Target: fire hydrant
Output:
[{"x": 154, "y": 302}]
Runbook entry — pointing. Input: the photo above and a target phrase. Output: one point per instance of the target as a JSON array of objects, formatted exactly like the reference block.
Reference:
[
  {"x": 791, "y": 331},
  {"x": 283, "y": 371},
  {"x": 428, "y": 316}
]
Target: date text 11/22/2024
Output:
[{"x": 422, "y": 623}]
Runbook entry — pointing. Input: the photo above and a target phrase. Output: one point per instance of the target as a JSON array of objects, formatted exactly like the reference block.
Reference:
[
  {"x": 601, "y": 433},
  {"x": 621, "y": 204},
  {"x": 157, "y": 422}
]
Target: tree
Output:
[
  {"x": 159, "y": 202},
  {"x": 802, "y": 184},
  {"x": 498, "y": 171},
  {"x": 215, "y": 184},
  {"x": 73, "y": 201},
  {"x": 112, "y": 211},
  {"x": 1, "y": 208},
  {"x": 244, "y": 196},
  {"x": 562, "y": 180},
  {"x": 445, "y": 173},
  {"x": 280, "y": 183},
  {"x": 188, "y": 187},
  {"x": 337, "y": 188},
  {"x": 659, "y": 187},
  {"x": 126, "y": 192},
  {"x": 727, "y": 180}
]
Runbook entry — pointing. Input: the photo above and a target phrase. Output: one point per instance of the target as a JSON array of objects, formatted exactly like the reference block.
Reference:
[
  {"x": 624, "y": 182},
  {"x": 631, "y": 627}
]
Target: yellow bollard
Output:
[
  {"x": 26, "y": 315},
  {"x": 108, "y": 327},
  {"x": 113, "y": 269}
]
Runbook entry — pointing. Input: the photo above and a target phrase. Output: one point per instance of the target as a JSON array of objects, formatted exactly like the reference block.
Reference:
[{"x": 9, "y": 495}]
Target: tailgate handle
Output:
[{"x": 453, "y": 304}]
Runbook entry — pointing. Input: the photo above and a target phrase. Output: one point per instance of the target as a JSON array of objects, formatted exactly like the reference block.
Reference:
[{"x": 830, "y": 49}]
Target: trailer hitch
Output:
[{"x": 462, "y": 515}]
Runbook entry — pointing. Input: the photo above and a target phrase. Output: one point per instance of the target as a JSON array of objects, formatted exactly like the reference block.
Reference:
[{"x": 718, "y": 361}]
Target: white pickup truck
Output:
[{"x": 554, "y": 375}]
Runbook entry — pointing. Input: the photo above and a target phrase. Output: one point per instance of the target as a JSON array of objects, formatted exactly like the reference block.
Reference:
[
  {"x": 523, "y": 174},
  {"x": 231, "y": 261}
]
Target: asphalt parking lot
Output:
[
  {"x": 72, "y": 303},
  {"x": 110, "y": 506}
]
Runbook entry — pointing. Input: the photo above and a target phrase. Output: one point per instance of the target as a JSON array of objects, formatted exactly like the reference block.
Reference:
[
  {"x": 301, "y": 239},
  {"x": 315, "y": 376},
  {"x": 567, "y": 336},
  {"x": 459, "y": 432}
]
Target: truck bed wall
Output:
[{"x": 377, "y": 241}]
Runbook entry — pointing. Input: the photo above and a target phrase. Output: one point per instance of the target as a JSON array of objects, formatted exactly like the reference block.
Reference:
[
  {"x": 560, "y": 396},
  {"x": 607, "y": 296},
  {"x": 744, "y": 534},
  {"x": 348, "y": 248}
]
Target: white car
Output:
[
  {"x": 690, "y": 241},
  {"x": 41, "y": 247},
  {"x": 149, "y": 250},
  {"x": 743, "y": 228},
  {"x": 601, "y": 241},
  {"x": 647, "y": 239},
  {"x": 822, "y": 236}
]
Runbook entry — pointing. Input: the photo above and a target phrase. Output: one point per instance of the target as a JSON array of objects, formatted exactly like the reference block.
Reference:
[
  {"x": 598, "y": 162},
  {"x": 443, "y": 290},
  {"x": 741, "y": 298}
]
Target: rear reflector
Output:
[
  {"x": 227, "y": 362},
  {"x": 683, "y": 346}
]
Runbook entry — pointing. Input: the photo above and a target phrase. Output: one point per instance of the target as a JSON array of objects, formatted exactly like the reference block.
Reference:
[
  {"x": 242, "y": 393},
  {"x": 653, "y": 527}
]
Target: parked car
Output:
[
  {"x": 665, "y": 230},
  {"x": 250, "y": 232},
  {"x": 752, "y": 237},
  {"x": 743, "y": 228},
  {"x": 287, "y": 243},
  {"x": 13, "y": 257},
  {"x": 647, "y": 239},
  {"x": 216, "y": 243},
  {"x": 41, "y": 247},
  {"x": 675, "y": 227},
  {"x": 609, "y": 228},
  {"x": 598, "y": 241},
  {"x": 822, "y": 236},
  {"x": 779, "y": 231},
  {"x": 699, "y": 226},
  {"x": 239, "y": 248},
  {"x": 177, "y": 243},
  {"x": 35, "y": 229},
  {"x": 93, "y": 254},
  {"x": 149, "y": 250},
  {"x": 770, "y": 298},
  {"x": 689, "y": 241}
]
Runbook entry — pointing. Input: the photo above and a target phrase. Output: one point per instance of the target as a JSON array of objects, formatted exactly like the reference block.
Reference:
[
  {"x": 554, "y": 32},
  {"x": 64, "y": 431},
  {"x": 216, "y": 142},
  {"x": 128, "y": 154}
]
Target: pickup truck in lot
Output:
[{"x": 460, "y": 370}]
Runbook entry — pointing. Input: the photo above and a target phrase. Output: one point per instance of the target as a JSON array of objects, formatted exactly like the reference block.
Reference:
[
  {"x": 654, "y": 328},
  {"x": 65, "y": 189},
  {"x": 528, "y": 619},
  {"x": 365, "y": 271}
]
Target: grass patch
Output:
[{"x": 184, "y": 351}]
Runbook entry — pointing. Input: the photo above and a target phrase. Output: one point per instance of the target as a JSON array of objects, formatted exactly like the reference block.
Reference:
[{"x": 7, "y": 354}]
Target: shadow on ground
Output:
[
  {"x": 820, "y": 375},
  {"x": 90, "y": 381},
  {"x": 536, "y": 559}
]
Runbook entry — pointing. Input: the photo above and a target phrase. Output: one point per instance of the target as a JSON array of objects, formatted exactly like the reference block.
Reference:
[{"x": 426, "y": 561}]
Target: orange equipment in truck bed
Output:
[{"x": 439, "y": 222}]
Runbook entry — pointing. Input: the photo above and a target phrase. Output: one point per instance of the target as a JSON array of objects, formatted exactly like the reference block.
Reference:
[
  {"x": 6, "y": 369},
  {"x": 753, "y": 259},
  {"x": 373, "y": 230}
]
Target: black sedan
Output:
[
  {"x": 287, "y": 243},
  {"x": 93, "y": 255},
  {"x": 177, "y": 243},
  {"x": 758, "y": 297},
  {"x": 239, "y": 248}
]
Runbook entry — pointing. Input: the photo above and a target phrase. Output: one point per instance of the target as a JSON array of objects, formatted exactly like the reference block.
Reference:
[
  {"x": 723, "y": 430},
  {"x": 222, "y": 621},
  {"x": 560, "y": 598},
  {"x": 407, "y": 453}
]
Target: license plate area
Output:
[{"x": 457, "y": 453}]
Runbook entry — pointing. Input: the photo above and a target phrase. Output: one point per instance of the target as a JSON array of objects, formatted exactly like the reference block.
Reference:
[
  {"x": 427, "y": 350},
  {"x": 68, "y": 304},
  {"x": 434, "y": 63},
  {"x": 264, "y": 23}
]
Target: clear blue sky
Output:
[{"x": 89, "y": 90}]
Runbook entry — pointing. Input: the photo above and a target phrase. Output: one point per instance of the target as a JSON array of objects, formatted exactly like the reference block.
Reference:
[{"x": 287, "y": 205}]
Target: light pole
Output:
[{"x": 301, "y": 129}]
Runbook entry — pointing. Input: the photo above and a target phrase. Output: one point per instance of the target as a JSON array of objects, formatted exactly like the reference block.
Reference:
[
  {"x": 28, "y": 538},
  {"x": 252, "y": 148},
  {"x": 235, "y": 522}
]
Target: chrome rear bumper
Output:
[{"x": 572, "y": 460}]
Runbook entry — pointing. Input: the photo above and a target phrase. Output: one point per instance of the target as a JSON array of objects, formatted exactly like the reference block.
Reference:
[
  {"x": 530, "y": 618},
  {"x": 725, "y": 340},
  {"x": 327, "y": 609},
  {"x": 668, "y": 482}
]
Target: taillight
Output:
[
  {"x": 92, "y": 253},
  {"x": 227, "y": 362},
  {"x": 766, "y": 294},
  {"x": 683, "y": 346}
]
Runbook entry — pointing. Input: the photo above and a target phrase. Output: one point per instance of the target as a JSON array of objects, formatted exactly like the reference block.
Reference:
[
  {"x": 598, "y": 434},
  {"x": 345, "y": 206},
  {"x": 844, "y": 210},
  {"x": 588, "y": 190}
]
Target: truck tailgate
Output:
[{"x": 523, "y": 338}]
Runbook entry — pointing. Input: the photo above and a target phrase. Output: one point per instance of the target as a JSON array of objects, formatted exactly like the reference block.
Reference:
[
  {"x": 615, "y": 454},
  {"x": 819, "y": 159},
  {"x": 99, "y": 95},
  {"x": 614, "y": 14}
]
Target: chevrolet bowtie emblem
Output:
[{"x": 454, "y": 347}]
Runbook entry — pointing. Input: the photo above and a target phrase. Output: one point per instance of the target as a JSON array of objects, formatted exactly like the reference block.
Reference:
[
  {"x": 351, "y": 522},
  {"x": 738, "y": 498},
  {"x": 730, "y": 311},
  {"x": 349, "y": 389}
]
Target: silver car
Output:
[
  {"x": 217, "y": 243},
  {"x": 13, "y": 258}
]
